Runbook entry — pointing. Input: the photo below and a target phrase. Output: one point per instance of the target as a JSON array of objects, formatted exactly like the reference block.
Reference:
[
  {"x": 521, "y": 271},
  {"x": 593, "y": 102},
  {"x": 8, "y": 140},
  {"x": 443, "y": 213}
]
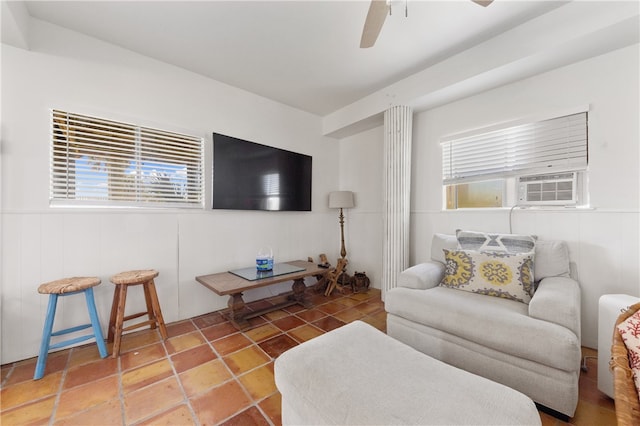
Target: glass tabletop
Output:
[{"x": 252, "y": 273}]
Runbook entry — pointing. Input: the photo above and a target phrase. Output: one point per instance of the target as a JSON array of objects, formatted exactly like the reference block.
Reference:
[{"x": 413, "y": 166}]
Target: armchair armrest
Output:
[
  {"x": 557, "y": 300},
  {"x": 422, "y": 276}
]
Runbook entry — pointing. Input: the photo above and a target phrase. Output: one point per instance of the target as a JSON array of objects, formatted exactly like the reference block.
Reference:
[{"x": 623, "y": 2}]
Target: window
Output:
[
  {"x": 97, "y": 162},
  {"x": 480, "y": 169},
  {"x": 476, "y": 194}
]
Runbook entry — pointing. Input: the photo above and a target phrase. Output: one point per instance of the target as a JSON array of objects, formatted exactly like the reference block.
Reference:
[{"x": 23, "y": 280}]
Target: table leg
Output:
[
  {"x": 237, "y": 312},
  {"x": 299, "y": 293},
  {"x": 239, "y": 315},
  {"x": 236, "y": 306}
]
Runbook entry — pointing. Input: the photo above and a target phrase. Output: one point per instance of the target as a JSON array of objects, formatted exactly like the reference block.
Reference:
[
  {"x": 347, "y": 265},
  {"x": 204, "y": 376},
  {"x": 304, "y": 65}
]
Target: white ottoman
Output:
[{"x": 357, "y": 375}]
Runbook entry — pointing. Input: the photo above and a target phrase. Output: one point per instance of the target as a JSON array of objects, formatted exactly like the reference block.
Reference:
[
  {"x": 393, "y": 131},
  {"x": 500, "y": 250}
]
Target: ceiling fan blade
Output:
[
  {"x": 484, "y": 3},
  {"x": 378, "y": 11}
]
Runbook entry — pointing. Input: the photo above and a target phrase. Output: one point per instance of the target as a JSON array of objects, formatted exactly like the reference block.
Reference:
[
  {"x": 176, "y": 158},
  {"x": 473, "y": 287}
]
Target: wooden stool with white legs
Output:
[
  {"x": 122, "y": 282},
  {"x": 61, "y": 288}
]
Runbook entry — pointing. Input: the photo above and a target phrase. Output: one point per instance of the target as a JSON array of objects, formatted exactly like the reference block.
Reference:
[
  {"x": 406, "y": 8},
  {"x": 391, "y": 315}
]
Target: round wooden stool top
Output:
[
  {"x": 68, "y": 285},
  {"x": 134, "y": 277}
]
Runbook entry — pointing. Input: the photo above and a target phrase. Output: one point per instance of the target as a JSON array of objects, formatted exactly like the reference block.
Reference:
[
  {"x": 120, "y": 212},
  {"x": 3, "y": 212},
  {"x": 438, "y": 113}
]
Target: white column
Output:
[{"x": 398, "y": 122}]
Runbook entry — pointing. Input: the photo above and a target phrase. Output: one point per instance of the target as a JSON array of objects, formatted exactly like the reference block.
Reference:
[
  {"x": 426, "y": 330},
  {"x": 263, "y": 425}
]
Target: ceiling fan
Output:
[{"x": 378, "y": 11}]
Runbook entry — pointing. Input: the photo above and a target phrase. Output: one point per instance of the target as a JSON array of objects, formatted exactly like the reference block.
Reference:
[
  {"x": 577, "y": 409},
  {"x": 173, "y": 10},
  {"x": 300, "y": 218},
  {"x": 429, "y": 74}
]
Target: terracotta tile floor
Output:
[{"x": 207, "y": 372}]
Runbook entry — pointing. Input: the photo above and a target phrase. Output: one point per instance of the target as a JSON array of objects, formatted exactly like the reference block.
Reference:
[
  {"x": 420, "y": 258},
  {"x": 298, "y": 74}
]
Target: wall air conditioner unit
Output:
[{"x": 555, "y": 189}]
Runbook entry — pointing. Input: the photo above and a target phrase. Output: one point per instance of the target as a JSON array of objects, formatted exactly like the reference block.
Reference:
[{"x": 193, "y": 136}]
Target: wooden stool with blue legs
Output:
[{"x": 68, "y": 287}]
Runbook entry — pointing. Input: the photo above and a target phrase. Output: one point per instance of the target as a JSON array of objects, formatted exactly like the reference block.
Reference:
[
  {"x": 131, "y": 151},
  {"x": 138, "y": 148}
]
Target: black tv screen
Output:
[{"x": 251, "y": 176}]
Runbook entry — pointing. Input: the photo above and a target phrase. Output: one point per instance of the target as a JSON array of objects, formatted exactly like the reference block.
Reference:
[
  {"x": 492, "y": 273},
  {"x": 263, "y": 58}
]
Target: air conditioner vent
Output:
[{"x": 550, "y": 189}]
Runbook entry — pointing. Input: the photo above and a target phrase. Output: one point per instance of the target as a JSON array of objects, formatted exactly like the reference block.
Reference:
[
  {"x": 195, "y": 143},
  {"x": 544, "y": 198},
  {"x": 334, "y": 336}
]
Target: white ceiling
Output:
[{"x": 302, "y": 53}]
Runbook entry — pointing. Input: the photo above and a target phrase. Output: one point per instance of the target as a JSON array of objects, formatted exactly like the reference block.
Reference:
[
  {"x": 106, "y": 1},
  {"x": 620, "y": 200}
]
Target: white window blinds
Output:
[
  {"x": 101, "y": 162},
  {"x": 558, "y": 144}
]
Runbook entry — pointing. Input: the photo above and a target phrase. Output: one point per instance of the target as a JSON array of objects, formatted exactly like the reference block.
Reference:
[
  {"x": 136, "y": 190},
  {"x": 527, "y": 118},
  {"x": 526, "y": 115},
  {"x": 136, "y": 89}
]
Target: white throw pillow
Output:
[
  {"x": 552, "y": 259},
  {"x": 485, "y": 241},
  {"x": 441, "y": 242}
]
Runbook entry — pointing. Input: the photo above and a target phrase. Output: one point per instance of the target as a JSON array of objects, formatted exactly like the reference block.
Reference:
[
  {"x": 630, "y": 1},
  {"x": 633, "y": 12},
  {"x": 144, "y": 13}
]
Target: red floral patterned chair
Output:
[{"x": 625, "y": 365}]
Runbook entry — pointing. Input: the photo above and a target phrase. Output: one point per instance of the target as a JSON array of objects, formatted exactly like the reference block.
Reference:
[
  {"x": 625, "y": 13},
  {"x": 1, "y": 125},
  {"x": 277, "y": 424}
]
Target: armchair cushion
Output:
[
  {"x": 439, "y": 242},
  {"x": 552, "y": 259},
  {"x": 496, "y": 323},
  {"x": 557, "y": 300},
  {"x": 422, "y": 276}
]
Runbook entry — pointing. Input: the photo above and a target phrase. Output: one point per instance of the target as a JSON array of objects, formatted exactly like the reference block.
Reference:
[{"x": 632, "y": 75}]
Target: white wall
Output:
[
  {"x": 361, "y": 172},
  {"x": 603, "y": 242},
  {"x": 66, "y": 70}
]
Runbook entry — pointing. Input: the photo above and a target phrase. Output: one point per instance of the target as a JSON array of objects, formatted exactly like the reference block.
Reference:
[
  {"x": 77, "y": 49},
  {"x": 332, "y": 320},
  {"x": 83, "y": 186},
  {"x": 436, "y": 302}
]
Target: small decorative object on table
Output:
[
  {"x": 360, "y": 282},
  {"x": 324, "y": 262},
  {"x": 264, "y": 259}
]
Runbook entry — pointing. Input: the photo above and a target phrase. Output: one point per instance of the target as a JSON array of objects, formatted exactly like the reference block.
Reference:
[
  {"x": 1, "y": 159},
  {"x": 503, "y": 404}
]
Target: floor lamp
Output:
[{"x": 341, "y": 200}]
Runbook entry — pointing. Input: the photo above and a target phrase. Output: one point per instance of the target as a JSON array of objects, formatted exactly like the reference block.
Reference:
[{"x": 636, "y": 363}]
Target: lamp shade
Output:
[{"x": 341, "y": 199}]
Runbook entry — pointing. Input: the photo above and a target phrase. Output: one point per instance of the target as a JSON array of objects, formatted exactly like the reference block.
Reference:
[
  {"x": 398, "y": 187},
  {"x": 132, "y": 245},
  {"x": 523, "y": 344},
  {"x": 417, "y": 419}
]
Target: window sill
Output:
[{"x": 514, "y": 208}]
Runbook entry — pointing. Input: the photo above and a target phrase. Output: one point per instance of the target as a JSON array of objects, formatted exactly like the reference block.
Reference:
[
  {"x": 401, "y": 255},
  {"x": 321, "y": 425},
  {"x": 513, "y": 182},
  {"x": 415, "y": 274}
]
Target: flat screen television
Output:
[{"x": 251, "y": 176}]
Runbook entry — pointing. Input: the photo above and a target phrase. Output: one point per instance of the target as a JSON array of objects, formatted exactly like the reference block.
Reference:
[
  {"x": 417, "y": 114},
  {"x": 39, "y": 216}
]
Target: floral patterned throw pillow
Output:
[
  {"x": 630, "y": 331},
  {"x": 499, "y": 274}
]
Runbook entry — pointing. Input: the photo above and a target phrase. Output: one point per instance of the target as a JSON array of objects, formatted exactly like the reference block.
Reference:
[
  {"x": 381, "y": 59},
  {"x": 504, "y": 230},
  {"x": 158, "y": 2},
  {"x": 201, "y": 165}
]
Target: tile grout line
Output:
[
  {"x": 195, "y": 418},
  {"x": 236, "y": 377},
  {"x": 176, "y": 376},
  {"x": 219, "y": 357},
  {"x": 63, "y": 377},
  {"x": 168, "y": 358},
  {"x": 123, "y": 416}
]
